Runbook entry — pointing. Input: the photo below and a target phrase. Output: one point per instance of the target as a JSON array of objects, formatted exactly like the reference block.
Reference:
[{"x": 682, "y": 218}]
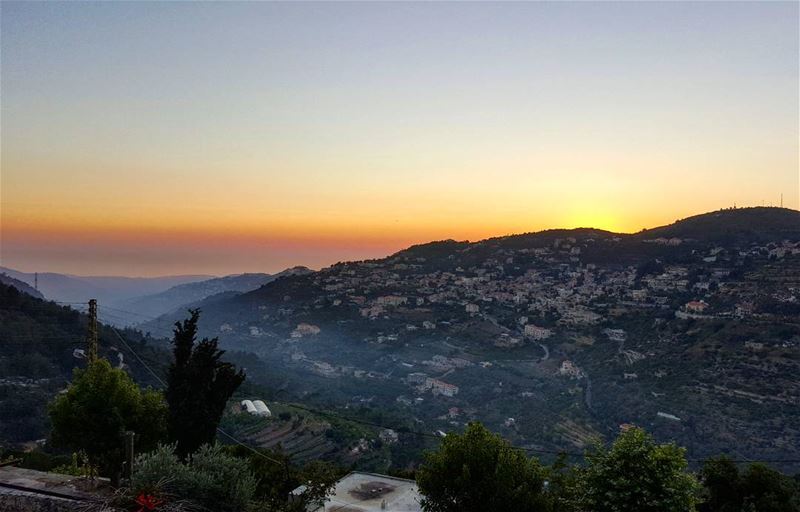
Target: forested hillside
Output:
[{"x": 40, "y": 343}]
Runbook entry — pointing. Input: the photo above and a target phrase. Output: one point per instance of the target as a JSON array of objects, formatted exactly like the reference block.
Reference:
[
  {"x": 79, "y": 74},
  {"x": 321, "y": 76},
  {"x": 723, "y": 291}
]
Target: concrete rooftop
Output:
[{"x": 368, "y": 492}]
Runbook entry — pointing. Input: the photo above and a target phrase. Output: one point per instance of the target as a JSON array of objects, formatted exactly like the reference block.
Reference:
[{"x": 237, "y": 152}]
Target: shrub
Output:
[{"x": 210, "y": 477}]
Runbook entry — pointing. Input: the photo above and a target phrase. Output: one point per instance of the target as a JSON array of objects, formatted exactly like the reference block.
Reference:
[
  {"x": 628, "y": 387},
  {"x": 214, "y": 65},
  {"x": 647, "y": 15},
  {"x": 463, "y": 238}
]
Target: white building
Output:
[
  {"x": 391, "y": 300},
  {"x": 369, "y": 492},
  {"x": 537, "y": 333},
  {"x": 305, "y": 330}
]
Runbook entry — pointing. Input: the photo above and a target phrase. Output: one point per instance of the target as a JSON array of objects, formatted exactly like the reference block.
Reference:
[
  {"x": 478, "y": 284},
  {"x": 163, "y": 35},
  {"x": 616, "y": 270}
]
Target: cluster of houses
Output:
[
  {"x": 531, "y": 295},
  {"x": 553, "y": 282}
]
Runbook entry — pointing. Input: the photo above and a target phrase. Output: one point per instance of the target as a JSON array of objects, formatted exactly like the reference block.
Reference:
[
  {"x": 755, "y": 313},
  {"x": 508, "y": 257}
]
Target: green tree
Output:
[
  {"x": 199, "y": 384},
  {"x": 478, "y": 471},
  {"x": 765, "y": 490},
  {"x": 100, "y": 405},
  {"x": 277, "y": 477},
  {"x": 721, "y": 482},
  {"x": 564, "y": 485},
  {"x": 759, "y": 488},
  {"x": 638, "y": 475}
]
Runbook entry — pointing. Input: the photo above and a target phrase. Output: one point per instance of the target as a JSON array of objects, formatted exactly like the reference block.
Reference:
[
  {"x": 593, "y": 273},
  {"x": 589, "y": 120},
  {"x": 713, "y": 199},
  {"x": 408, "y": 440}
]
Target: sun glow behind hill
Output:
[{"x": 305, "y": 142}]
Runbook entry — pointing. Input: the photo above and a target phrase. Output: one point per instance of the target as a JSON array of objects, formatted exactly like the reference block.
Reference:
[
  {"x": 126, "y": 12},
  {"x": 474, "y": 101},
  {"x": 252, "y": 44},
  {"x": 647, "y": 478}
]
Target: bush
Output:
[{"x": 210, "y": 477}]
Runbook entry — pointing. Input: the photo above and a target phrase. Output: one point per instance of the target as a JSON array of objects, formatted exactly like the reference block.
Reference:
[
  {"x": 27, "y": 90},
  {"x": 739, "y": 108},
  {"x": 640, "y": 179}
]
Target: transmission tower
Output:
[{"x": 91, "y": 337}]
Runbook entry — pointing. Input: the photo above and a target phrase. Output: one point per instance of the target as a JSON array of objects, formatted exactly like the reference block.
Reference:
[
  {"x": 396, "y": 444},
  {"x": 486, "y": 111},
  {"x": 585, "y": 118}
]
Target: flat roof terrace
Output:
[{"x": 368, "y": 492}]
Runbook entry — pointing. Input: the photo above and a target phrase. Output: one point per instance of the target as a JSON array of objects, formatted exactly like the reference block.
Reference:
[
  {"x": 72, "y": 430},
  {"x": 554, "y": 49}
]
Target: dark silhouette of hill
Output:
[
  {"x": 759, "y": 224},
  {"x": 20, "y": 285}
]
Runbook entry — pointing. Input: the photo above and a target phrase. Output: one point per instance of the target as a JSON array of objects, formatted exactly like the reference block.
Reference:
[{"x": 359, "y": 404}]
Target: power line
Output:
[
  {"x": 147, "y": 367},
  {"x": 151, "y": 317},
  {"x": 161, "y": 381},
  {"x": 163, "y": 324}
]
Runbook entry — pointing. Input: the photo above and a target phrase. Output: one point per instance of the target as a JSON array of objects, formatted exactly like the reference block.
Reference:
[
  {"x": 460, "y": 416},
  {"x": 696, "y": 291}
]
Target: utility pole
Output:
[
  {"x": 91, "y": 338},
  {"x": 36, "y": 281},
  {"x": 128, "y": 469}
]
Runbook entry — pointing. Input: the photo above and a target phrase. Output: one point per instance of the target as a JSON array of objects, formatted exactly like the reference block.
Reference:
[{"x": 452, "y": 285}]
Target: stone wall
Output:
[{"x": 12, "y": 500}]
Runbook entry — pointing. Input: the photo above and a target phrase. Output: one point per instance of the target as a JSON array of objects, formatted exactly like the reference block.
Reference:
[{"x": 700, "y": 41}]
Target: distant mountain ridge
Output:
[
  {"x": 107, "y": 289},
  {"x": 20, "y": 285},
  {"x": 187, "y": 294}
]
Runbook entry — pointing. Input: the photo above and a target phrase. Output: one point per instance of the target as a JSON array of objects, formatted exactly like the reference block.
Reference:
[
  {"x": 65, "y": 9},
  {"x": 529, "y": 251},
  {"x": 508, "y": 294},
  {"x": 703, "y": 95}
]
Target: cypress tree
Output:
[{"x": 199, "y": 384}]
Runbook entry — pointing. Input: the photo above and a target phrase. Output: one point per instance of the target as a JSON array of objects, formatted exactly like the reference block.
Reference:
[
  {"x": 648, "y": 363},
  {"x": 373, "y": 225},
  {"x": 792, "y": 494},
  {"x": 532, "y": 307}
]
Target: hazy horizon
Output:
[
  {"x": 217, "y": 138},
  {"x": 327, "y": 264}
]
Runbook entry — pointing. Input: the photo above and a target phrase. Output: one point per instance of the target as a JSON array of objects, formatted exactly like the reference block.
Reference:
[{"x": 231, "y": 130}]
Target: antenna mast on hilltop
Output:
[
  {"x": 36, "y": 281},
  {"x": 91, "y": 337}
]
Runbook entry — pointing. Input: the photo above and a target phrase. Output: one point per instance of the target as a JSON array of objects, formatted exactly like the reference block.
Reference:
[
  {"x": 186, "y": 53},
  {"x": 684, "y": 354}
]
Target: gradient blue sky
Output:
[{"x": 182, "y": 137}]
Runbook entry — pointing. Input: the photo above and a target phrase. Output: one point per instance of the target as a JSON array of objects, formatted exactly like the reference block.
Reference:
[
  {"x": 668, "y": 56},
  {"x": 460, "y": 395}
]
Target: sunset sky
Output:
[{"x": 153, "y": 138}]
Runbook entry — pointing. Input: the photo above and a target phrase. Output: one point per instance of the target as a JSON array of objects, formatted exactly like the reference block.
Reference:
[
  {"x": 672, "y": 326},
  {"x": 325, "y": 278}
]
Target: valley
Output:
[
  {"x": 554, "y": 339},
  {"x": 551, "y": 338}
]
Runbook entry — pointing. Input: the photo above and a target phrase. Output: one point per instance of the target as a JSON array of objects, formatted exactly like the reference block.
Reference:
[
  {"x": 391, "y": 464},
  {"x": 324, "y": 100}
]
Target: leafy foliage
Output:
[
  {"x": 477, "y": 471},
  {"x": 758, "y": 488},
  {"x": 210, "y": 477},
  {"x": 277, "y": 477},
  {"x": 638, "y": 475},
  {"x": 100, "y": 405},
  {"x": 37, "y": 340},
  {"x": 199, "y": 385}
]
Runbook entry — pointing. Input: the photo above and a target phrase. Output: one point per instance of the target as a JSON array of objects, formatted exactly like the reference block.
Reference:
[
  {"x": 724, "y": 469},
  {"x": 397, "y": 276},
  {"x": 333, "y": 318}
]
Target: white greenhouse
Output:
[
  {"x": 248, "y": 406},
  {"x": 261, "y": 408}
]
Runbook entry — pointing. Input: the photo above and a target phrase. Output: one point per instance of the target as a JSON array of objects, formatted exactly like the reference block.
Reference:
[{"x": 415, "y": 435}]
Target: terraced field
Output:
[{"x": 302, "y": 439}]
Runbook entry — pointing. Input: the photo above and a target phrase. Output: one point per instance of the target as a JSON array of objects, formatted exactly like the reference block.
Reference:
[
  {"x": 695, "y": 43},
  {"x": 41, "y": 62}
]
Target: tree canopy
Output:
[
  {"x": 478, "y": 471},
  {"x": 98, "y": 407},
  {"x": 758, "y": 488},
  {"x": 638, "y": 475}
]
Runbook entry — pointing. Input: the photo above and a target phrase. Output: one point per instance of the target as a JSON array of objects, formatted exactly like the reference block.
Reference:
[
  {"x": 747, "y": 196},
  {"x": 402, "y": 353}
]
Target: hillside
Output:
[
  {"x": 21, "y": 286},
  {"x": 40, "y": 344},
  {"x": 759, "y": 224},
  {"x": 183, "y": 295},
  {"x": 553, "y": 338}
]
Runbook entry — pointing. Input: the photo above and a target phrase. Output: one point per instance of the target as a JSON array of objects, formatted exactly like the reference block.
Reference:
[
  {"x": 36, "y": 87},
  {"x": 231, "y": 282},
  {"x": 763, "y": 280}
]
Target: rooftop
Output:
[{"x": 367, "y": 492}]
